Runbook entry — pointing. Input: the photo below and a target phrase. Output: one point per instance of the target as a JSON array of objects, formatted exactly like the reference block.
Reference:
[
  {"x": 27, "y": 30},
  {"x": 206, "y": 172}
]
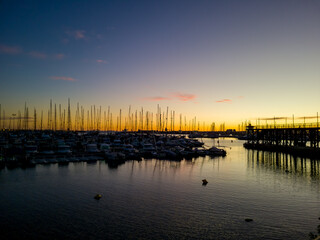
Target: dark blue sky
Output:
[{"x": 219, "y": 54}]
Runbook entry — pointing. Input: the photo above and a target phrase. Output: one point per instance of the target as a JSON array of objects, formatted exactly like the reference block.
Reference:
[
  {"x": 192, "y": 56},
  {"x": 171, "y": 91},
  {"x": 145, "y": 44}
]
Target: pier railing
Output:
[{"x": 287, "y": 125}]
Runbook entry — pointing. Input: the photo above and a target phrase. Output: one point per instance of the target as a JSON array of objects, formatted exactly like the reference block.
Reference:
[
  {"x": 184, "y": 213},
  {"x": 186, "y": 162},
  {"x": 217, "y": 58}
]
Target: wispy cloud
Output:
[
  {"x": 36, "y": 54},
  {"x": 155, "y": 99},
  {"x": 70, "y": 79},
  {"x": 174, "y": 96},
  {"x": 224, "y": 101},
  {"x": 184, "y": 96},
  {"x": 15, "y": 50},
  {"x": 59, "y": 56},
  {"x": 101, "y": 61},
  {"x": 10, "y": 49},
  {"x": 76, "y": 34}
]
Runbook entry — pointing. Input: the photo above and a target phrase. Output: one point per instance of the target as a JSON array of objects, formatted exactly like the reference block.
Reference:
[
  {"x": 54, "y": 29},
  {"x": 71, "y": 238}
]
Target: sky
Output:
[{"x": 221, "y": 61}]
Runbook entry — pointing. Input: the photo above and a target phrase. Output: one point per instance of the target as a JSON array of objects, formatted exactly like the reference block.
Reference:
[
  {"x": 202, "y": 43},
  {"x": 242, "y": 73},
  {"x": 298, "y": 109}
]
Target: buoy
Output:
[
  {"x": 248, "y": 219},
  {"x": 98, "y": 196},
  {"x": 204, "y": 182}
]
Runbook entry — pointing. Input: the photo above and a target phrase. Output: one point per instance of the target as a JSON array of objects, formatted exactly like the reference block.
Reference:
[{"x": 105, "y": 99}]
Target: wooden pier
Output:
[{"x": 302, "y": 141}]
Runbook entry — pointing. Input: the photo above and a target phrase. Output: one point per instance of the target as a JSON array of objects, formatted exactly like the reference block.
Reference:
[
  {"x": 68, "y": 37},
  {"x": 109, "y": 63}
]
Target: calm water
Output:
[{"x": 154, "y": 199}]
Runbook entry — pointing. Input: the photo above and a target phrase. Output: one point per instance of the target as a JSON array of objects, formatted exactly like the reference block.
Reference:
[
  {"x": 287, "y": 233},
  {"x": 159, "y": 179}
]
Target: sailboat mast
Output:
[{"x": 41, "y": 121}]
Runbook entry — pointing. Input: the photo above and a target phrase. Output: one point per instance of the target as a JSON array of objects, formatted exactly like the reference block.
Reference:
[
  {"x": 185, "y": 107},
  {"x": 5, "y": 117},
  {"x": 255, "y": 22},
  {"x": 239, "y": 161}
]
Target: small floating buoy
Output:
[
  {"x": 248, "y": 219},
  {"x": 204, "y": 182},
  {"x": 98, "y": 196}
]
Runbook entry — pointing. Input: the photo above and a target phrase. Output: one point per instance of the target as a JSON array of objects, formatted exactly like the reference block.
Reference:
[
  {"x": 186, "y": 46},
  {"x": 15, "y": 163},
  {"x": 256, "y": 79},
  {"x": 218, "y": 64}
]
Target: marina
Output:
[
  {"x": 27, "y": 148},
  {"x": 160, "y": 120}
]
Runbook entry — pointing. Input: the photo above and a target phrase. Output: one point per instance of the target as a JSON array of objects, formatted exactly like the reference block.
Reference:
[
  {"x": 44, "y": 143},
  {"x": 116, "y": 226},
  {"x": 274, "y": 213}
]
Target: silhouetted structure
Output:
[{"x": 301, "y": 140}]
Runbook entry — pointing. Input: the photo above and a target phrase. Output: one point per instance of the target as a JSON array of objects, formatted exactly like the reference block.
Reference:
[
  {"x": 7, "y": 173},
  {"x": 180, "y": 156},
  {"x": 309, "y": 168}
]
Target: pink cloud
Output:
[
  {"x": 240, "y": 97},
  {"x": 63, "y": 78},
  {"x": 59, "y": 56},
  {"x": 224, "y": 101},
  {"x": 37, "y": 55},
  {"x": 77, "y": 34},
  {"x": 155, "y": 99},
  {"x": 101, "y": 61},
  {"x": 10, "y": 49},
  {"x": 184, "y": 96}
]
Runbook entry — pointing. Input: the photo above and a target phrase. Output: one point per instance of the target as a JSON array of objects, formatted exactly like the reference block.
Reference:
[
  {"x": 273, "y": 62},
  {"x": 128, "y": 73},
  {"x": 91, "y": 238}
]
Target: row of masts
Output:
[{"x": 95, "y": 118}]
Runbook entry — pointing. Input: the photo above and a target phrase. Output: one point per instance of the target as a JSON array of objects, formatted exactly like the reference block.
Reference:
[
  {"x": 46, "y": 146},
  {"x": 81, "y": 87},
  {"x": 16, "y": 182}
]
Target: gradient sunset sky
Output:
[{"x": 223, "y": 61}]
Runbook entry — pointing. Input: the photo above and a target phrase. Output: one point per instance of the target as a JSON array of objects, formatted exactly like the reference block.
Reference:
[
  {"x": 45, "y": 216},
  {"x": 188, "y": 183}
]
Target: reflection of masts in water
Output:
[
  {"x": 155, "y": 167},
  {"x": 132, "y": 167},
  {"x": 282, "y": 161},
  {"x": 201, "y": 165}
]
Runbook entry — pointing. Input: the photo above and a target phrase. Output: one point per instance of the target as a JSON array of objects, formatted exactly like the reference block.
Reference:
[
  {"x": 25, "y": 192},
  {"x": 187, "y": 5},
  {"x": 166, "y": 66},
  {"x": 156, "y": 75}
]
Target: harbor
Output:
[
  {"x": 160, "y": 120},
  {"x": 27, "y": 148}
]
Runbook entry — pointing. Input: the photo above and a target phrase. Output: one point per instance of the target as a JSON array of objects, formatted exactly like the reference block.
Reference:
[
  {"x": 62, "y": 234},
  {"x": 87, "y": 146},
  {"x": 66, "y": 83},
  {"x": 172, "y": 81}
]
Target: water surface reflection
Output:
[
  {"x": 159, "y": 199},
  {"x": 284, "y": 163}
]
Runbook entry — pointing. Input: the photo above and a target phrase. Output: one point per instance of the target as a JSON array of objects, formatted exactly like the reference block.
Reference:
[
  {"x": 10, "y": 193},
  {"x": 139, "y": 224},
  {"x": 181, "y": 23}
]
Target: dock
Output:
[{"x": 302, "y": 140}]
